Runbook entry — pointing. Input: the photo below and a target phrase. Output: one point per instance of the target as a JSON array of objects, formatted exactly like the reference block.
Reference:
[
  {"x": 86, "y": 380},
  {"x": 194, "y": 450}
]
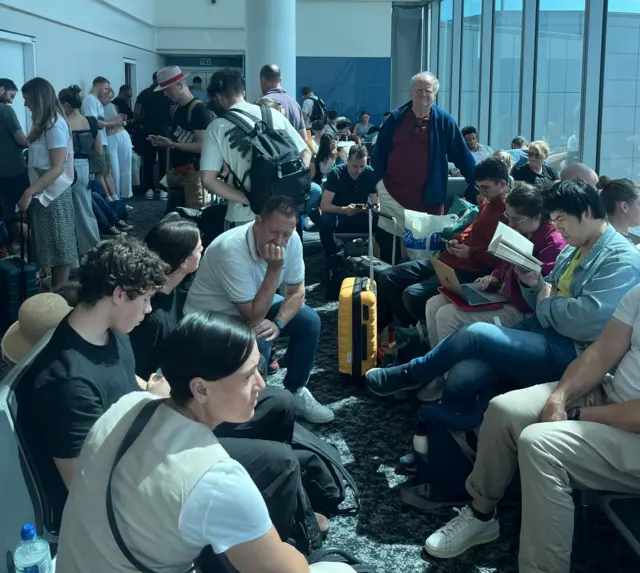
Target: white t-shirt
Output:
[
  {"x": 626, "y": 381},
  {"x": 91, "y": 106},
  {"x": 231, "y": 272},
  {"x": 216, "y": 150},
  {"x": 55, "y": 137},
  {"x": 224, "y": 509},
  {"x": 307, "y": 110}
]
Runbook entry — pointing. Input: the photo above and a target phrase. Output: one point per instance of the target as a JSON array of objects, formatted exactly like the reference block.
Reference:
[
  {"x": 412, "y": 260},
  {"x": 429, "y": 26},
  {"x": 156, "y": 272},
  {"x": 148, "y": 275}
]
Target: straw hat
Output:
[
  {"x": 168, "y": 76},
  {"x": 37, "y": 315}
]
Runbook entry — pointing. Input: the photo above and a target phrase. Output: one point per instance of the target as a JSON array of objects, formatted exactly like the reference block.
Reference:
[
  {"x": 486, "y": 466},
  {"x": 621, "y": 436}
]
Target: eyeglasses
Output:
[{"x": 513, "y": 220}]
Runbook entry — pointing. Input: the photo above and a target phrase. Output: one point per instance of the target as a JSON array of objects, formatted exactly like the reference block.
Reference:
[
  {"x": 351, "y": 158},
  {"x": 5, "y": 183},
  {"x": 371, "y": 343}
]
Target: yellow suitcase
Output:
[{"x": 357, "y": 321}]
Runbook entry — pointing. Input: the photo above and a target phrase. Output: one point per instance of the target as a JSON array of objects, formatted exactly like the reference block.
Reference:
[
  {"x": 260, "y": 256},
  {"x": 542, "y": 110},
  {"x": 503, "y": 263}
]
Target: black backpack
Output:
[
  {"x": 276, "y": 165},
  {"x": 324, "y": 476},
  {"x": 319, "y": 111}
]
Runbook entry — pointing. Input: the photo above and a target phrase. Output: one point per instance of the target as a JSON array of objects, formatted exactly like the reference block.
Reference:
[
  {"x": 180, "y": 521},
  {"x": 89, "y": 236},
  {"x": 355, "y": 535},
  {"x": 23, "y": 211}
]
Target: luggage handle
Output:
[
  {"x": 23, "y": 279},
  {"x": 370, "y": 207}
]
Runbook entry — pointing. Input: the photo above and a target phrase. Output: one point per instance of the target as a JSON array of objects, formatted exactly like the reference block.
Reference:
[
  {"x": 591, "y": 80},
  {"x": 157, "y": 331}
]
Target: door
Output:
[{"x": 12, "y": 58}]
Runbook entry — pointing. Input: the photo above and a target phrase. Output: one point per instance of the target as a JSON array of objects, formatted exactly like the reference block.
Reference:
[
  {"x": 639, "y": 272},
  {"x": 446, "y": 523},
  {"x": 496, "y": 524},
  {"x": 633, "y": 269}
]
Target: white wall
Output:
[
  {"x": 200, "y": 13},
  {"x": 365, "y": 33},
  {"x": 141, "y": 9},
  {"x": 65, "y": 55}
]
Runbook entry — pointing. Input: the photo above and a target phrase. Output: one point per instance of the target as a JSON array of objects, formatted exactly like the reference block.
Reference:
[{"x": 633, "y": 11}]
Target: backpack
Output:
[
  {"x": 276, "y": 165},
  {"x": 324, "y": 476},
  {"x": 319, "y": 111},
  {"x": 335, "y": 555}
]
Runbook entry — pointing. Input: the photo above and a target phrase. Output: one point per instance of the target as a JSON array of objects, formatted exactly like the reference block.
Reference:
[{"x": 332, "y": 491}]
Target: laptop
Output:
[{"x": 470, "y": 292}]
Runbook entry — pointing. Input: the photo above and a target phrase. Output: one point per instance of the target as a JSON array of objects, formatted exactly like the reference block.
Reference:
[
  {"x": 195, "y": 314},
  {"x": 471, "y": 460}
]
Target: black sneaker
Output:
[
  {"x": 390, "y": 381},
  {"x": 112, "y": 232},
  {"x": 124, "y": 226}
]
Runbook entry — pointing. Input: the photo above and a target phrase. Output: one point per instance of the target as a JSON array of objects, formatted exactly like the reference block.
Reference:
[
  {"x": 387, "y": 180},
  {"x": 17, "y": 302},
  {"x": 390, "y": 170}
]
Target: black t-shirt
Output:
[
  {"x": 68, "y": 387},
  {"x": 348, "y": 190},
  {"x": 148, "y": 339},
  {"x": 186, "y": 120},
  {"x": 156, "y": 118},
  {"x": 523, "y": 173}
]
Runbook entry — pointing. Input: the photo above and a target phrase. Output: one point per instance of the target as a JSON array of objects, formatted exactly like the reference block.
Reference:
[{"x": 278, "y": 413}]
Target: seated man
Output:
[
  {"x": 241, "y": 273},
  {"x": 572, "y": 305},
  {"x": 579, "y": 433},
  {"x": 348, "y": 188},
  {"x": 480, "y": 152},
  {"x": 89, "y": 365},
  {"x": 406, "y": 288}
]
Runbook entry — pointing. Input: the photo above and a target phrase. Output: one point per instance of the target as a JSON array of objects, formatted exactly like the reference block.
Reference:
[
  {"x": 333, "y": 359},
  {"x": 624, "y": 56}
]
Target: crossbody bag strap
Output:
[{"x": 139, "y": 424}]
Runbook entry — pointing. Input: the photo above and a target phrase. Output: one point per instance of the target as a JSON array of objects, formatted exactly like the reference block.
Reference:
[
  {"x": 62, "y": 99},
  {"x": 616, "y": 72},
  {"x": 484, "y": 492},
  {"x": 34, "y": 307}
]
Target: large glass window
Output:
[
  {"x": 445, "y": 56},
  {"x": 620, "y": 135},
  {"x": 505, "y": 85},
  {"x": 470, "y": 74},
  {"x": 559, "y": 74}
]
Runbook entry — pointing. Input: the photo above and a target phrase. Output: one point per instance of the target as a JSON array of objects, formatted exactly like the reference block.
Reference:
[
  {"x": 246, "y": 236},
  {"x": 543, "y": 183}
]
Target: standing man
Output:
[
  {"x": 271, "y": 86},
  {"x": 410, "y": 158},
  {"x": 308, "y": 112},
  {"x": 13, "y": 167},
  {"x": 197, "y": 90},
  {"x": 189, "y": 120},
  {"x": 240, "y": 275},
  {"x": 123, "y": 105},
  {"x": 152, "y": 116},
  {"x": 225, "y": 143}
]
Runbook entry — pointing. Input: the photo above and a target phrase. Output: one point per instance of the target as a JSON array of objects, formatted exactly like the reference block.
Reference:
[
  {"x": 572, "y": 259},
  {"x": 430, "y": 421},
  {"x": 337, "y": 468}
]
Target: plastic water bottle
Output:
[{"x": 33, "y": 554}]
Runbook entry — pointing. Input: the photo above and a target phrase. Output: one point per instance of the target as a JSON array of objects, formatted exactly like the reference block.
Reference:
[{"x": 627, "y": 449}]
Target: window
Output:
[
  {"x": 559, "y": 74},
  {"x": 445, "y": 56},
  {"x": 620, "y": 135},
  {"x": 470, "y": 73},
  {"x": 505, "y": 85}
]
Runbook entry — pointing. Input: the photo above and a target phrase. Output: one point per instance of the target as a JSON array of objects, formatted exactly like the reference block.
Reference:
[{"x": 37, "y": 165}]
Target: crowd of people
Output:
[{"x": 179, "y": 338}]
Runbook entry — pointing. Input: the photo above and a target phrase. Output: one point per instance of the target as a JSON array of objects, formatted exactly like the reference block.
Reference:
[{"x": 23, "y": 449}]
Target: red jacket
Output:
[{"x": 477, "y": 237}]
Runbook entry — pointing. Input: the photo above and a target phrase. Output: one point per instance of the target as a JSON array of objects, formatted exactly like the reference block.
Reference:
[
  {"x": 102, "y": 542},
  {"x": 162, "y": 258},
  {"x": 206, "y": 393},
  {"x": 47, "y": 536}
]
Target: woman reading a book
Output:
[{"x": 525, "y": 215}]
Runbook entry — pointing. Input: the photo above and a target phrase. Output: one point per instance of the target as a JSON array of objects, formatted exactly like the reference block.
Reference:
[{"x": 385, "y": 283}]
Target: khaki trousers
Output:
[
  {"x": 554, "y": 458},
  {"x": 445, "y": 318},
  {"x": 189, "y": 181}
]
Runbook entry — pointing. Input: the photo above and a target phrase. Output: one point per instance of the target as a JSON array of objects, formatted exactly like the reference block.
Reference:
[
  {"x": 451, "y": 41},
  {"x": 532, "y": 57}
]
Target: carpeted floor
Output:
[{"x": 371, "y": 434}]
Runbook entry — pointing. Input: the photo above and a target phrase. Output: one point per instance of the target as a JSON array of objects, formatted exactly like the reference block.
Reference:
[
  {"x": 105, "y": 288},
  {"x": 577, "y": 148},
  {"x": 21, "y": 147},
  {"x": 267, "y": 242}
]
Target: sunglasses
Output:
[{"x": 418, "y": 127}]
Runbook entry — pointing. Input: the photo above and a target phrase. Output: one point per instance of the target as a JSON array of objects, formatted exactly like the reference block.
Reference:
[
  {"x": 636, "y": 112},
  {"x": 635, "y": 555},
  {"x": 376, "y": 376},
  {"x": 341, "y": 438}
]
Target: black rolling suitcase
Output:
[{"x": 18, "y": 282}]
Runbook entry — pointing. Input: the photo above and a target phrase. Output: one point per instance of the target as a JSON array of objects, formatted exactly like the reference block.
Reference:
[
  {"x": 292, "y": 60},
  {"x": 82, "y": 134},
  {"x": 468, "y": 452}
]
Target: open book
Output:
[{"x": 511, "y": 246}]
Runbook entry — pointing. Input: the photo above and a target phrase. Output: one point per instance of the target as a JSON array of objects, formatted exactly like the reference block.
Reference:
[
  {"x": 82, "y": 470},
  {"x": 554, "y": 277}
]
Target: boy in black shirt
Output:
[
  {"x": 88, "y": 363},
  {"x": 189, "y": 120},
  {"x": 348, "y": 188}
]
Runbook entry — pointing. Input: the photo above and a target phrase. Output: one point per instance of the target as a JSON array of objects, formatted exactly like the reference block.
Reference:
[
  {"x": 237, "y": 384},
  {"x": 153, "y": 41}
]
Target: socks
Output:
[{"x": 485, "y": 517}]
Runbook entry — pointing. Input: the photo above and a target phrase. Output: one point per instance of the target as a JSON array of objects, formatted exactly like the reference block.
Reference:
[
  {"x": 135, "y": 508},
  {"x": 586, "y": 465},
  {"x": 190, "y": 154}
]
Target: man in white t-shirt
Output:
[
  {"x": 309, "y": 99},
  {"x": 91, "y": 107},
  {"x": 226, "y": 89},
  {"x": 240, "y": 274},
  {"x": 579, "y": 433}
]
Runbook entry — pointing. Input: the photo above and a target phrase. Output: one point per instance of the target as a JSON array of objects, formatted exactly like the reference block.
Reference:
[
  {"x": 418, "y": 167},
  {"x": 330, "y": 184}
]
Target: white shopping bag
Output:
[{"x": 422, "y": 233}]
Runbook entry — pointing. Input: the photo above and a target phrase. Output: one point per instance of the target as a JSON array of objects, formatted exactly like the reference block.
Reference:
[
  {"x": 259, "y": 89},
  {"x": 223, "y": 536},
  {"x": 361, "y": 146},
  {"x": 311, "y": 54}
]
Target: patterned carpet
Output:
[{"x": 371, "y": 434}]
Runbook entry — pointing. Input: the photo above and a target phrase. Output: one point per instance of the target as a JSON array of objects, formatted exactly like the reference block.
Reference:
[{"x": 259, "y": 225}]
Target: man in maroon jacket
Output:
[{"x": 406, "y": 288}]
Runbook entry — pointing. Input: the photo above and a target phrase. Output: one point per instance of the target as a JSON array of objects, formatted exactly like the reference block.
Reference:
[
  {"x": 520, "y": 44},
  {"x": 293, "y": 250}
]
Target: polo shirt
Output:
[
  {"x": 291, "y": 107},
  {"x": 348, "y": 190},
  {"x": 231, "y": 272}
]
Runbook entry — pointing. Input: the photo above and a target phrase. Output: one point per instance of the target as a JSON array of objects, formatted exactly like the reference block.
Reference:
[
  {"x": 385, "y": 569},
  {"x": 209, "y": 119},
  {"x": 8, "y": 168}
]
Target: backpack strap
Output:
[
  {"x": 192, "y": 104},
  {"x": 235, "y": 117},
  {"x": 267, "y": 116}
]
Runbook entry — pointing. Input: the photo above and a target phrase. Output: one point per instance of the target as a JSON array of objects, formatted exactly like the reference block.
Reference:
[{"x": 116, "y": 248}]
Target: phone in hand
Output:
[{"x": 360, "y": 206}]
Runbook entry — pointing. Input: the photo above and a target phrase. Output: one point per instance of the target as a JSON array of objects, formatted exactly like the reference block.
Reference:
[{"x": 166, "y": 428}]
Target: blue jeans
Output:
[
  {"x": 314, "y": 197},
  {"x": 303, "y": 332},
  {"x": 480, "y": 356},
  {"x": 104, "y": 214}
]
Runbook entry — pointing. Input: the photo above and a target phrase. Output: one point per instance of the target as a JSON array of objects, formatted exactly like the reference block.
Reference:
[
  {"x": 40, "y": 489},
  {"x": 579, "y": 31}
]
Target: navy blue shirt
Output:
[{"x": 348, "y": 190}]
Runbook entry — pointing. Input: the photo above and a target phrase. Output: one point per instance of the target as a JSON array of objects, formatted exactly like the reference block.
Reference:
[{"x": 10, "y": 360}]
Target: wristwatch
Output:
[
  {"x": 278, "y": 323},
  {"x": 573, "y": 414}
]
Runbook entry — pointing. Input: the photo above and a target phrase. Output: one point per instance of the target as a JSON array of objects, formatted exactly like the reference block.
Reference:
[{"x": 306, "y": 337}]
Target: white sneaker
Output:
[
  {"x": 461, "y": 533},
  {"x": 310, "y": 409},
  {"x": 164, "y": 195},
  {"x": 150, "y": 194}
]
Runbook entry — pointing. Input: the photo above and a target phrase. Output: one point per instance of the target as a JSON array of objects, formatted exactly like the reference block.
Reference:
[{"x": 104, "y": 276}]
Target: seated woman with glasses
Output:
[
  {"x": 536, "y": 171},
  {"x": 524, "y": 212}
]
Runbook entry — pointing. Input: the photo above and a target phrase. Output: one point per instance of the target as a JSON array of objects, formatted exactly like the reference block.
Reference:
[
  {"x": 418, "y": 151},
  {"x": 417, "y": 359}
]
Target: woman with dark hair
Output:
[
  {"x": 49, "y": 198},
  {"x": 363, "y": 126},
  {"x": 85, "y": 132},
  {"x": 326, "y": 158},
  {"x": 620, "y": 198},
  {"x": 177, "y": 491},
  {"x": 524, "y": 210}
]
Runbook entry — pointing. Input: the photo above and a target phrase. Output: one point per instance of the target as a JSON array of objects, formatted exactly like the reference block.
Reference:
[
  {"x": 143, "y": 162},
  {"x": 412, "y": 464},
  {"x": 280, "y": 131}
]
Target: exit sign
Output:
[{"x": 205, "y": 62}]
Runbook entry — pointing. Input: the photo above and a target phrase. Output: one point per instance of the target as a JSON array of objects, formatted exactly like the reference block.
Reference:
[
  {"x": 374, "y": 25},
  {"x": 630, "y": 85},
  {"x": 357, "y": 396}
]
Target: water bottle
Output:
[{"x": 33, "y": 554}]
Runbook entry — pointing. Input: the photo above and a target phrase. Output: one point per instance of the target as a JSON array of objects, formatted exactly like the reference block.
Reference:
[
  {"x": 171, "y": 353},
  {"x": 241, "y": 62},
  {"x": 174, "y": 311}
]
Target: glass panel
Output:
[
  {"x": 559, "y": 74},
  {"x": 620, "y": 135},
  {"x": 470, "y": 74},
  {"x": 505, "y": 88},
  {"x": 445, "y": 56}
]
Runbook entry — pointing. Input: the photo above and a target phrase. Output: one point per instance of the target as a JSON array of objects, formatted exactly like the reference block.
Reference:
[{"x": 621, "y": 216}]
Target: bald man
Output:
[
  {"x": 271, "y": 86},
  {"x": 580, "y": 172}
]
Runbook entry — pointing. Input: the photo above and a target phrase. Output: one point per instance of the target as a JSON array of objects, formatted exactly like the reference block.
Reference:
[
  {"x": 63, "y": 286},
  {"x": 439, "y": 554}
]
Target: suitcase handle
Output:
[
  {"x": 23, "y": 282},
  {"x": 370, "y": 207}
]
